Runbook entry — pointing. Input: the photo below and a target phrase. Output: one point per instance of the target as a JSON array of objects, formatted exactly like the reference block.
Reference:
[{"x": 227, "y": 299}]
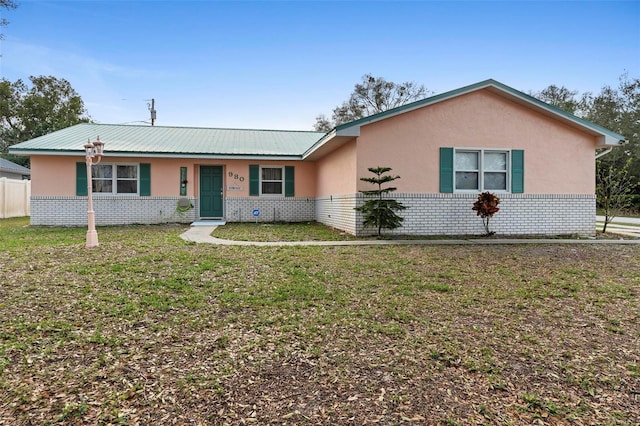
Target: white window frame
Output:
[
  {"x": 282, "y": 181},
  {"x": 481, "y": 170},
  {"x": 114, "y": 179}
]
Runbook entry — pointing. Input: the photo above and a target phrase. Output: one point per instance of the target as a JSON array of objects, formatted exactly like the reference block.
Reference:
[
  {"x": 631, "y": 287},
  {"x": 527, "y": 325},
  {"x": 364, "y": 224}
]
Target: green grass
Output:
[
  {"x": 147, "y": 327},
  {"x": 627, "y": 213}
]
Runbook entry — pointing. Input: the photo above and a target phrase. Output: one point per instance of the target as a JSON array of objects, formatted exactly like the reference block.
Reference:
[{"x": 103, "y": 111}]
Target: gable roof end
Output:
[{"x": 352, "y": 129}]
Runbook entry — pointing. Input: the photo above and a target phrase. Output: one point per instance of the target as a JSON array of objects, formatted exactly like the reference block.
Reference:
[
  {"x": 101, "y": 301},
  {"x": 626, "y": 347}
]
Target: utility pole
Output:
[{"x": 152, "y": 108}]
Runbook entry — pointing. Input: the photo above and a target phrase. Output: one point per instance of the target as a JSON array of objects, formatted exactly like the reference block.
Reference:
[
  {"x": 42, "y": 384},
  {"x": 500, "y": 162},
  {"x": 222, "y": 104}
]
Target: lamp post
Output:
[{"x": 94, "y": 151}]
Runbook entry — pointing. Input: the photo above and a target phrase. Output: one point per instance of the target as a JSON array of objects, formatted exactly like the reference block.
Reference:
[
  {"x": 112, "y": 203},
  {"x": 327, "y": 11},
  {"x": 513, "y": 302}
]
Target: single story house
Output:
[
  {"x": 446, "y": 148},
  {"x": 11, "y": 170}
]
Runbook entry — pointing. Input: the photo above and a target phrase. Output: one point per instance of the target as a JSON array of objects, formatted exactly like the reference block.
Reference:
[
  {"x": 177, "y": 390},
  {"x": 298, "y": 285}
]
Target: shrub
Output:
[{"x": 486, "y": 206}]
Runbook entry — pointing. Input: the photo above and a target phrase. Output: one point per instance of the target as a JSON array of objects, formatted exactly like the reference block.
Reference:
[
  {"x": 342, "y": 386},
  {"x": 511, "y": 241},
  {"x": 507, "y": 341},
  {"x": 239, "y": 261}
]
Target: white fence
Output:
[{"x": 15, "y": 196}]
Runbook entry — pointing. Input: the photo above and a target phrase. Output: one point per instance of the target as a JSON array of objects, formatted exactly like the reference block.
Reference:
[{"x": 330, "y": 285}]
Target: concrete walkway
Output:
[
  {"x": 628, "y": 226},
  {"x": 202, "y": 234},
  {"x": 624, "y": 220}
]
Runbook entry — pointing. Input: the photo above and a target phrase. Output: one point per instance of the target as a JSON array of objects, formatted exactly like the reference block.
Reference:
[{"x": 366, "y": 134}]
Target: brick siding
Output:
[
  {"x": 338, "y": 212},
  {"x": 451, "y": 214},
  {"x": 272, "y": 209},
  {"x": 116, "y": 210},
  {"x": 426, "y": 214}
]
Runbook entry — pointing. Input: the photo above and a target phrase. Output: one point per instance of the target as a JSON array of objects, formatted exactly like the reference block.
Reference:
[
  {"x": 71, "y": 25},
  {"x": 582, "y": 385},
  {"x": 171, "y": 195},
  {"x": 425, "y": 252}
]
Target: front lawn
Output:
[
  {"x": 150, "y": 329},
  {"x": 278, "y": 231}
]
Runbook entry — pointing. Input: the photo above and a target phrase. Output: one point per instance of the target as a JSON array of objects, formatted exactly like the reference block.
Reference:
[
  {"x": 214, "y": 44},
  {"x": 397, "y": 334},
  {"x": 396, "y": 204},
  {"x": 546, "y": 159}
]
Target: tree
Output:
[
  {"x": 323, "y": 123},
  {"x": 6, "y": 4},
  {"x": 563, "y": 98},
  {"x": 614, "y": 188},
  {"x": 618, "y": 109},
  {"x": 614, "y": 108},
  {"x": 50, "y": 104},
  {"x": 371, "y": 96},
  {"x": 380, "y": 212},
  {"x": 486, "y": 206}
]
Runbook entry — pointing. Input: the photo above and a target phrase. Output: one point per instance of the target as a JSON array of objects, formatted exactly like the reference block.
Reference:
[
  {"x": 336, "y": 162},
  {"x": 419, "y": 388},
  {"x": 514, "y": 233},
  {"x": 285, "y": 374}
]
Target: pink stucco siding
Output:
[
  {"x": 56, "y": 176},
  {"x": 558, "y": 159},
  {"x": 337, "y": 172},
  {"x": 53, "y": 175}
]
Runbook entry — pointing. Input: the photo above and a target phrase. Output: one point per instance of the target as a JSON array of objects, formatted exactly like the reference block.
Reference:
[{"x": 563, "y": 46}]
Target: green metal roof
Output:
[
  {"x": 146, "y": 141},
  {"x": 172, "y": 141}
]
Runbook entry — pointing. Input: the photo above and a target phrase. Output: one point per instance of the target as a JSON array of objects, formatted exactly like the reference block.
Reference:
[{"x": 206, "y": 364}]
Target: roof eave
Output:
[
  {"x": 607, "y": 140},
  {"x": 162, "y": 155},
  {"x": 332, "y": 140},
  {"x": 327, "y": 137},
  {"x": 15, "y": 171}
]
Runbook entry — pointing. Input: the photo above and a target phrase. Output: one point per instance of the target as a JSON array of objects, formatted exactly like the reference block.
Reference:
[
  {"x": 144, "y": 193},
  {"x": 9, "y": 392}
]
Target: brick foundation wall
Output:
[
  {"x": 427, "y": 214},
  {"x": 118, "y": 210},
  {"x": 338, "y": 212},
  {"x": 451, "y": 214},
  {"x": 276, "y": 209},
  {"x": 520, "y": 214}
]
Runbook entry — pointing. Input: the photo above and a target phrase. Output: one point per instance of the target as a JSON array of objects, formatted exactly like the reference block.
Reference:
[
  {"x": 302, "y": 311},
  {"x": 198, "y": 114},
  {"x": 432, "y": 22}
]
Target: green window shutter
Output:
[
  {"x": 145, "y": 179},
  {"x": 254, "y": 179},
  {"x": 289, "y": 181},
  {"x": 81, "y": 179},
  {"x": 517, "y": 171},
  {"x": 446, "y": 169}
]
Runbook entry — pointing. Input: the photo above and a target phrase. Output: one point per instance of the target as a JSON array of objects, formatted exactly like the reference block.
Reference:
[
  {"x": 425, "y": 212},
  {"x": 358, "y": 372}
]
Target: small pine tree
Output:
[
  {"x": 380, "y": 212},
  {"x": 486, "y": 206}
]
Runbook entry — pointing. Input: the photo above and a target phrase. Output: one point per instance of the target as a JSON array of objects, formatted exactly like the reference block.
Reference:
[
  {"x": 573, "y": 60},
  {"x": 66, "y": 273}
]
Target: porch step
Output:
[{"x": 209, "y": 223}]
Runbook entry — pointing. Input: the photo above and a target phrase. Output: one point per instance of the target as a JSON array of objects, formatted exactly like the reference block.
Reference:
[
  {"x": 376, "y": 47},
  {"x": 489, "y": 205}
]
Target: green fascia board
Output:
[{"x": 612, "y": 138}]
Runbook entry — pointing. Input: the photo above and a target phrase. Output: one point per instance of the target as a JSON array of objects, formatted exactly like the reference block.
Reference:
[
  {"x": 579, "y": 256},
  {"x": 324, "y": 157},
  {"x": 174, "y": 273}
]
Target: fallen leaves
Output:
[{"x": 155, "y": 331}]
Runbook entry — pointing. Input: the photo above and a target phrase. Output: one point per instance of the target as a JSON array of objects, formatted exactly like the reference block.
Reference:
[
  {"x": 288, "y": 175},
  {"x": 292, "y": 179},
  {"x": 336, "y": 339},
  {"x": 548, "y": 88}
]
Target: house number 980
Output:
[{"x": 235, "y": 176}]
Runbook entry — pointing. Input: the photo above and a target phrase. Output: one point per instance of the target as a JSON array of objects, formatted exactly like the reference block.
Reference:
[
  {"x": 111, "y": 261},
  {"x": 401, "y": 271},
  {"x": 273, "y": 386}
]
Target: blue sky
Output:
[{"x": 277, "y": 65}]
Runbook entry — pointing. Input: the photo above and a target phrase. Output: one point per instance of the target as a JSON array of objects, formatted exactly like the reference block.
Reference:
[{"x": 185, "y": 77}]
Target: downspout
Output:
[{"x": 605, "y": 152}]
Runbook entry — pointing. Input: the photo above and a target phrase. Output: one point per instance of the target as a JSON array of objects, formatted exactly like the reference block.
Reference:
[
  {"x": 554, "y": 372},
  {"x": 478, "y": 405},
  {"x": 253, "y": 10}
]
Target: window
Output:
[
  {"x": 468, "y": 170},
  {"x": 481, "y": 170},
  {"x": 271, "y": 181},
  {"x": 115, "y": 178}
]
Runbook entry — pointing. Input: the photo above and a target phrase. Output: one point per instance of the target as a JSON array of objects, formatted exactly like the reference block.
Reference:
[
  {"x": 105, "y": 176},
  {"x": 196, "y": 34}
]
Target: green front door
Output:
[{"x": 211, "y": 191}]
